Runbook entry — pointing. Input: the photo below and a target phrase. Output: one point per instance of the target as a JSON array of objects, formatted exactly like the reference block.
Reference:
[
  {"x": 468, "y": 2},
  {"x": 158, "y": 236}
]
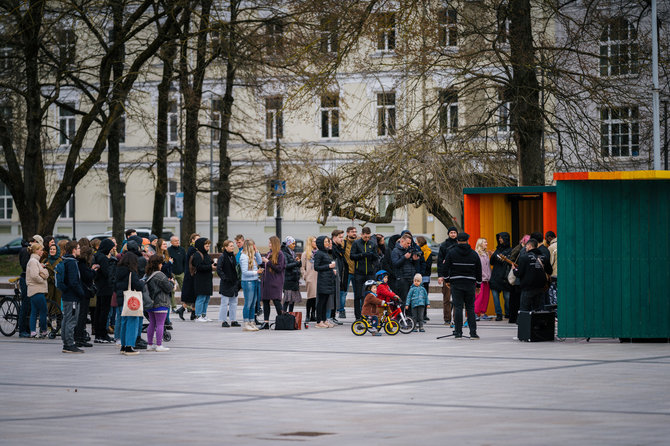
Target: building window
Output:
[
  {"x": 171, "y": 200},
  {"x": 386, "y": 31},
  {"x": 620, "y": 131},
  {"x": 447, "y": 31},
  {"x": 274, "y": 34},
  {"x": 6, "y": 203},
  {"x": 448, "y": 111},
  {"x": 330, "y": 116},
  {"x": 66, "y": 41},
  {"x": 504, "y": 107},
  {"x": 386, "y": 122},
  {"x": 618, "y": 49},
  {"x": 215, "y": 123},
  {"x": 274, "y": 121},
  {"x": 504, "y": 21},
  {"x": 328, "y": 30},
  {"x": 219, "y": 41},
  {"x": 68, "y": 210},
  {"x": 67, "y": 122},
  {"x": 173, "y": 122}
]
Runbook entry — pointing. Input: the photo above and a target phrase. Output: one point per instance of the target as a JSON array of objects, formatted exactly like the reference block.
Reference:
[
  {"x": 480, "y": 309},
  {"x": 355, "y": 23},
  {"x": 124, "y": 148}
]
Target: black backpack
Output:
[{"x": 285, "y": 321}]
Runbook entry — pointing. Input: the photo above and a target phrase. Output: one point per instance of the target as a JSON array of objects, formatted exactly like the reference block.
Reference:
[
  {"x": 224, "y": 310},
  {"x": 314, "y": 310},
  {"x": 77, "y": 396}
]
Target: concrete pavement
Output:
[{"x": 327, "y": 386}]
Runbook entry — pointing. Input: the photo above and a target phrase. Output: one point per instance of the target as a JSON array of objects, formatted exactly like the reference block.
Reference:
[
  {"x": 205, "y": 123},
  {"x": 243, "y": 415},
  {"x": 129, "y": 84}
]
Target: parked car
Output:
[
  {"x": 142, "y": 232},
  {"x": 12, "y": 247}
]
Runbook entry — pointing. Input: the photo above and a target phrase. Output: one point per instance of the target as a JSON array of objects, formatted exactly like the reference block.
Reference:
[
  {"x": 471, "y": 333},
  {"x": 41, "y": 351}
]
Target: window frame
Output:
[
  {"x": 274, "y": 37},
  {"x": 618, "y": 56},
  {"x": 330, "y": 115},
  {"x": 215, "y": 119},
  {"x": 387, "y": 114},
  {"x": 6, "y": 203},
  {"x": 448, "y": 108},
  {"x": 274, "y": 118},
  {"x": 68, "y": 211},
  {"x": 619, "y": 124},
  {"x": 66, "y": 42},
  {"x": 169, "y": 208},
  {"x": 173, "y": 127},
  {"x": 329, "y": 43},
  {"x": 67, "y": 124},
  {"x": 503, "y": 112},
  {"x": 447, "y": 27},
  {"x": 386, "y": 32}
]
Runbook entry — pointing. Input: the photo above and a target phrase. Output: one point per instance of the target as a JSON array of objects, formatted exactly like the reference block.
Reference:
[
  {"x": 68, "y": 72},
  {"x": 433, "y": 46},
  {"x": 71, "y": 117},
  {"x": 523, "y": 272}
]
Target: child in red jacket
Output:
[{"x": 383, "y": 290}]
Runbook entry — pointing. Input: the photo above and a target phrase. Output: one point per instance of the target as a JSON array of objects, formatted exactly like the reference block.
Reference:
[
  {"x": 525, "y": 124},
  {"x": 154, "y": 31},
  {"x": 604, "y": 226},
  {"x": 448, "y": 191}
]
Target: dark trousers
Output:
[
  {"x": 311, "y": 309},
  {"x": 464, "y": 296},
  {"x": 100, "y": 318},
  {"x": 446, "y": 303},
  {"x": 359, "y": 285},
  {"x": 266, "y": 308},
  {"x": 514, "y": 302},
  {"x": 532, "y": 300},
  {"x": 288, "y": 306},
  {"x": 80, "y": 329},
  {"x": 24, "y": 312},
  {"x": 417, "y": 314},
  {"x": 321, "y": 304},
  {"x": 402, "y": 287}
]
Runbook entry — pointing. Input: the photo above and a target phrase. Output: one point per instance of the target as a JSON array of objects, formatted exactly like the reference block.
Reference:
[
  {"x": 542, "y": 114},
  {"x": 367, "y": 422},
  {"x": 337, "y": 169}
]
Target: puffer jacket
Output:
[
  {"x": 202, "y": 279},
  {"x": 291, "y": 271},
  {"x": 103, "y": 279},
  {"x": 160, "y": 289},
  {"x": 325, "y": 283}
]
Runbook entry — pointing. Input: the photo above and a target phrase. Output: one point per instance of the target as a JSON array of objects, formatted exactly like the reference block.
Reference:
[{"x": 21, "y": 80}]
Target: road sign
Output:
[
  {"x": 278, "y": 188},
  {"x": 179, "y": 204}
]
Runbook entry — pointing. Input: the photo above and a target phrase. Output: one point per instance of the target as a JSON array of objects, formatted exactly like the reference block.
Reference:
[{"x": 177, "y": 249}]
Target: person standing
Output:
[
  {"x": 159, "y": 288},
  {"x": 249, "y": 265},
  {"x": 482, "y": 297},
  {"x": 272, "y": 286},
  {"x": 532, "y": 271},
  {"x": 105, "y": 290},
  {"x": 325, "y": 267},
  {"x": 24, "y": 311},
  {"x": 187, "y": 292},
  {"x": 310, "y": 276},
  {"x": 226, "y": 269},
  {"x": 347, "y": 245},
  {"x": 343, "y": 271},
  {"x": 87, "y": 274},
  {"x": 72, "y": 293},
  {"x": 404, "y": 263},
  {"x": 36, "y": 282},
  {"x": 515, "y": 292},
  {"x": 364, "y": 254},
  {"x": 178, "y": 257},
  {"x": 445, "y": 247},
  {"x": 417, "y": 302},
  {"x": 127, "y": 278},
  {"x": 202, "y": 266},
  {"x": 551, "y": 239},
  {"x": 291, "y": 275},
  {"x": 498, "y": 282},
  {"x": 464, "y": 277}
]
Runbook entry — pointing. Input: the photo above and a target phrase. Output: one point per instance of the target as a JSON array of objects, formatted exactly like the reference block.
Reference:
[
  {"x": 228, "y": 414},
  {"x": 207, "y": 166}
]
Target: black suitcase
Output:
[
  {"x": 536, "y": 326},
  {"x": 285, "y": 321}
]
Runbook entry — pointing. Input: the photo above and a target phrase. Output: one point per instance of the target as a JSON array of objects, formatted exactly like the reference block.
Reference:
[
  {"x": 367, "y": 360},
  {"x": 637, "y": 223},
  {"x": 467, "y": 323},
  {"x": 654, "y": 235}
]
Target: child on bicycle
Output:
[
  {"x": 371, "y": 306},
  {"x": 417, "y": 300},
  {"x": 383, "y": 290}
]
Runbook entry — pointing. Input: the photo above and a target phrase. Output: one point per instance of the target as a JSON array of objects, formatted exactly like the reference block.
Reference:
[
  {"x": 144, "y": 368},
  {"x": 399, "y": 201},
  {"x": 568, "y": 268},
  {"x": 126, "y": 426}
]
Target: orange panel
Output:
[
  {"x": 549, "y": 212},
  {"x": 558, "y": 176},
  {"x": 471, "y": 216}
]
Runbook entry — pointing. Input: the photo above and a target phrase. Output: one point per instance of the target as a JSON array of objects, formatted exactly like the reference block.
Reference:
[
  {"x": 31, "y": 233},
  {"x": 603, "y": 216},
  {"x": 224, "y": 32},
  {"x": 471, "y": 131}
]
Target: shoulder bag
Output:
[{"x": 132, "y": 302}]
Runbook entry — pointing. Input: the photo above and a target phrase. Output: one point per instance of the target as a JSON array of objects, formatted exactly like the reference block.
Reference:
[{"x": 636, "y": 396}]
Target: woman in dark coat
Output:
[
  {"x": 202, "y": 279},
  {"x": 229, "y": 285},
  {"x": 325, "y": 284},
  {"x": 187, "y": 293},
  {"x": 272, "y": 280},
  {"x": 498, "y": 281},
  {"x": 127, "y": 327},
  {"x": 291, "y": 275}
]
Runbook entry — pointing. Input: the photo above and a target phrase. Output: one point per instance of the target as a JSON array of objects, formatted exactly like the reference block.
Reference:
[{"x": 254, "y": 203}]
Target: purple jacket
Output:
[{"x": 273, "y": 278}]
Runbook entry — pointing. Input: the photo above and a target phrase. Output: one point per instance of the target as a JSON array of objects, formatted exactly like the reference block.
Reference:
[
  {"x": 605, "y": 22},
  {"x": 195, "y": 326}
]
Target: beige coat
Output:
[
  {"x": 36, "y": 276},
  {"x": 309, "y": 274}
]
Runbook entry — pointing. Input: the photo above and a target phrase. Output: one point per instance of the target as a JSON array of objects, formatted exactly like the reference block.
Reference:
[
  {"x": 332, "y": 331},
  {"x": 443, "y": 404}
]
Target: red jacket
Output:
[{"x": 385, "y": 293}]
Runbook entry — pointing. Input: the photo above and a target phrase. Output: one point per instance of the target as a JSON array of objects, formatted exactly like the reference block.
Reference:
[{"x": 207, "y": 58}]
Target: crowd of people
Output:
[{"x": 80, "y": 282}]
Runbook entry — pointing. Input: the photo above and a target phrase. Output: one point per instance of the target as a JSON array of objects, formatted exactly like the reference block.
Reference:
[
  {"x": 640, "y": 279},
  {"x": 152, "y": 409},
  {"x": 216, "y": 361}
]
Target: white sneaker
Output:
[
  {"x": 207, "y": 319},
  {"x": 160, "y": 348},
  {"x": 201, "y": 319},
  {"x": 247, "y": 327},
  {"x": 151, "y": 348},
  {"x": 118, "y": 342},
  {"x": 254, "y": 327}
]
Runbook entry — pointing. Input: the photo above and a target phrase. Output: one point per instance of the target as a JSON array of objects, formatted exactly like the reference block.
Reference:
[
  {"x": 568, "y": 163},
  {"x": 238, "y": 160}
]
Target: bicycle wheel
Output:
[
  {"x": 406, "y": 325},
  {"x": 9, "y": 316},
  {"x": 359, "y": 328},
  {"x": 392, "y": 327}
]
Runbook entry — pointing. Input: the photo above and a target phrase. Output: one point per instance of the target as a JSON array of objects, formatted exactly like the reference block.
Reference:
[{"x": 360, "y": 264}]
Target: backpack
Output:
[
  {"x": 191, "y": 267},
  {"x": 60, "y": 277}
]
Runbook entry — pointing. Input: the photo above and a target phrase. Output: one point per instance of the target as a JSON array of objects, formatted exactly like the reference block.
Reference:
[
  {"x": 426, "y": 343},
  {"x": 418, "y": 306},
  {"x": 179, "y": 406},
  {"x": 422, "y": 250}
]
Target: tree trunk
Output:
[{"x": 527, "y": 115}]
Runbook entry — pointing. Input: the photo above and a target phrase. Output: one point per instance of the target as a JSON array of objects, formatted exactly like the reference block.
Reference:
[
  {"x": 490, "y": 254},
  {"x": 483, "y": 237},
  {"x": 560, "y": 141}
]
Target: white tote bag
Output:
[{"x": 132, "y": 302}]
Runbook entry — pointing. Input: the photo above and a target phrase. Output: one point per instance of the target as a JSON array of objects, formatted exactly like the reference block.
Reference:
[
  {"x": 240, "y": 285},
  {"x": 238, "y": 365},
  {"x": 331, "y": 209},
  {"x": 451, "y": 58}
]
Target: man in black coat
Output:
[
  {"x": 104, "y": 284},
  {"x": 404, "y": 262},
  {"x": 178, "y": 255},
  {"x": 532, "y": 271},
  {"x": 464, "y": 277},
  {"x": 445, "y": 247},
  {"x": 364, "y": 254}
]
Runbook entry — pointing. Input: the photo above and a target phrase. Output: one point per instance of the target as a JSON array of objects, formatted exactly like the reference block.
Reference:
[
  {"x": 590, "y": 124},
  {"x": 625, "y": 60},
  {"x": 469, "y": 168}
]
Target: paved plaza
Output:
[{"x": 327, "y": 386}]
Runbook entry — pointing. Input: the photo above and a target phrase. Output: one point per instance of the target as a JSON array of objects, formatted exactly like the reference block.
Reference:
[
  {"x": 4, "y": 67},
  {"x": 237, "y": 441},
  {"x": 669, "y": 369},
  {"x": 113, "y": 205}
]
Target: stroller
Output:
[{"x": 167, "y": 337}]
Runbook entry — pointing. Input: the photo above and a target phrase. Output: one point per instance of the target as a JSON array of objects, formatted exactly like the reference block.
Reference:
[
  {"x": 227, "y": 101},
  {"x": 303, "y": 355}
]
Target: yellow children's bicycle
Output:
[{"x": 362, "y": 326}]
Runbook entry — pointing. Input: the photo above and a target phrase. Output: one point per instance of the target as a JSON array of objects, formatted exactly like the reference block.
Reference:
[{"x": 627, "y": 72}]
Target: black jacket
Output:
[
  {"x": 202, "y": 280},
  {"x": 188, "y": 291},
  {"x": 292, "y": 270},
  {"x": 133, "y": 245},
  {"x": 227, "y": 272},
  {"x": 325, "y": 283},
  {"x": 103, "y": 277},
  {"x": 531, "y": 272},
  {"x": 342, "y": 266},
  {"x": 178, "y": 256},
  {"x": 87, "y": 276},
  {"x": 463, "y": 266},
  {"x": 500, "y": 270},
  {"x": 365, "y": 256},
  {"x": 121, "y": 283},
  {"x": 386, "y": 261},
  {"x": 445, "y": 247},
  {"x": 403, "y": 268}
]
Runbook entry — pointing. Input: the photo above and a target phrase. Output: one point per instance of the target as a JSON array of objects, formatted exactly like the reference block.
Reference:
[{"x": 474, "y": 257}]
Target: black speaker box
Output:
[{"x": 536, "y": 326}]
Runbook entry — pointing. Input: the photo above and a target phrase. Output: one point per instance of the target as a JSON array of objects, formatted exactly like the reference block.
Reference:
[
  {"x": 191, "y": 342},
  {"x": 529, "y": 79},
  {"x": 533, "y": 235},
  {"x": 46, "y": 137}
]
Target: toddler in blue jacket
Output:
[{"x": 417, "y": 300}]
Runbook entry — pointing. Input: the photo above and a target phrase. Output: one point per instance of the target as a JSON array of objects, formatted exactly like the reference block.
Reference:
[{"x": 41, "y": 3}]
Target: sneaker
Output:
[
  {"x": 151, "y": 348},
  {"x": 335, "y": 321},
  {"x": 225, "y": 324},
  {"x": 486, "y": 317},
  {"x": 130, "y": 351},
  {"x": 72, "y": 349},
  {"x": 474, "y": 336},
  {"x": 414, "y": 330},
  {"x": 160, "y": 348},
  {"x": 458, "y": 335},
  {"x": 118, "y": 342},
  {"x": 84, "y": 344},
  {"x": 247, "y": 327},
  {"x": 342, "y": 314},
  {"x": 329, "y": 324},
  {"x": 234, "y": 324},
  {"x": 253, "y": 326},
  {"x": 140, "y": 344},
  {"x": 207, "y": 319},
  {"x": 33, "y": 334},
  {"x": 515, "y": 338},
  {"x": 321, "y": 325},
  {"x": 103, "y": 341},
  {"x": 498, "y": 317},
  {"x": 24, "y": 335},
  {"x": 264, "y": 326},
  {"x": 201, "y": 319},
  {"x": 421, "y": 330}
]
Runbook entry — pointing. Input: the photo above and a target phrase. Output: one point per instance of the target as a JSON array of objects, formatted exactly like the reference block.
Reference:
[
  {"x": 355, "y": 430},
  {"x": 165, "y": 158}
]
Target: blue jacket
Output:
[
  {"x": 75, "y": 292},
  {"x": 403, "y": 268},
  {"x": 417, "y": 296}
]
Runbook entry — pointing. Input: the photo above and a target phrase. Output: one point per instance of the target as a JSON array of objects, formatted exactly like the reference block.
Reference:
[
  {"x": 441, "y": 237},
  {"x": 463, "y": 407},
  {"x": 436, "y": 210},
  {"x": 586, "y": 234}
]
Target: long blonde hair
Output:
[
  {"x": 479, "y": 247},
  {"x": 249, "y": 251},
  {"x": 307, "y": 253}
]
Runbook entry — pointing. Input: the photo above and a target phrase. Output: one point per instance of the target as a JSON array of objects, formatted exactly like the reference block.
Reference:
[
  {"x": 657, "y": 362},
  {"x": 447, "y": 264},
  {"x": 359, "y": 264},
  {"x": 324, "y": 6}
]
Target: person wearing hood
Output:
[
  {"x": 201, "y": 267},
  {"x": 498, "y": 283},
  {"x": 291, "y": 275},
  {"x": 136, "y": 246},
  {"x": 464, "y": 277},
  {"x": 226, "y": 269},
  {"x": 445, "y": 247},
  {"x": 187, "y": 291},
  {"x": 325, "y": 267},
  {"x": 105, "y": 287},
  {"x": 127, "y": 278}
]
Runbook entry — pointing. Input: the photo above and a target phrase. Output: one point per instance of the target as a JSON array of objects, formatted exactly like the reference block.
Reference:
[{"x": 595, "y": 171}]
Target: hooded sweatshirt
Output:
[
  {"x": 500, "y": 270},
  {"x": 463, "y": 267},
  {"x": 103, "y": 278}
]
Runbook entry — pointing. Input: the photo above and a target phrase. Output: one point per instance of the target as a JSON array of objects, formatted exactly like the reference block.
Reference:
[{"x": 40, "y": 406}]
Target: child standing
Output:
[
  {"x": 370, "y": 305},
  {"x": 417, "y": 300}
]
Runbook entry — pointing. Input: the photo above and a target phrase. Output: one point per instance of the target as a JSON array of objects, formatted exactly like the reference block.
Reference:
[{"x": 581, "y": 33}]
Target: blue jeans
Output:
[
  {"x": 24, "y": 312},
  {"x": 229, "y": 307},
  {"x": 250, "y": 290},
  {"x": 343, "y": 293},
  {"x": 201, "y": 303},
  {"x": 128, "y": 329},
  {"x": 496, "y": 301},
  {"x": 38, "y": 304}
]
